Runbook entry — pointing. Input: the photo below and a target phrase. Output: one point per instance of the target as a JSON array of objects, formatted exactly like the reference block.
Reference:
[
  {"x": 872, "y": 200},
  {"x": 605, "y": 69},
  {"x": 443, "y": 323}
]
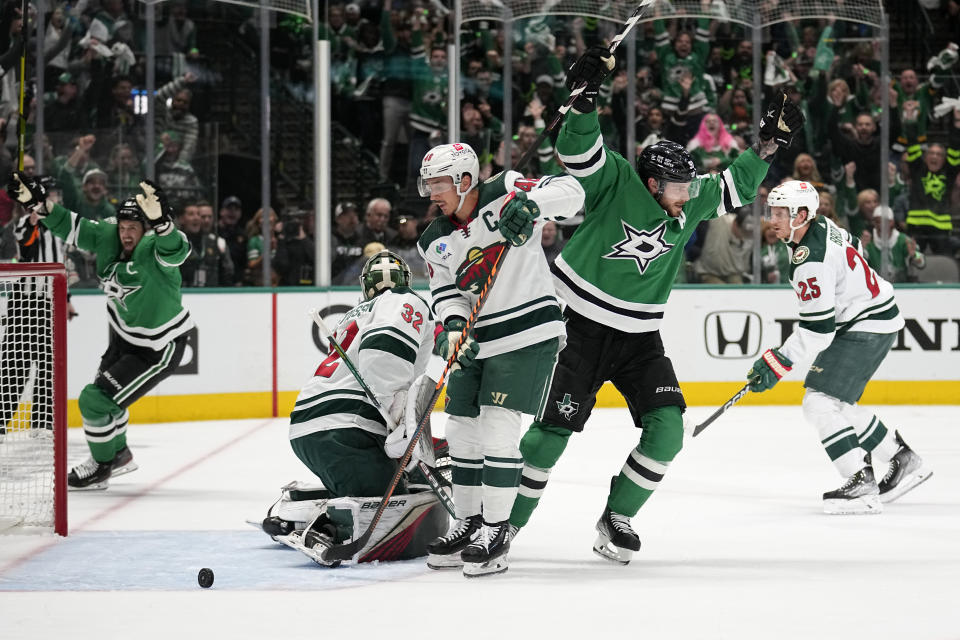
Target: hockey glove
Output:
[
  {"x": 393, "y": 407},
  {"x": 781, "y": 121},
  {"x": 943, "y": 60},
  {"x": 592, "y": 67},
  {"x": 767, "y": 371},
  {"x": 516, "y": 219},
  {"x": 30, "y": 192},
  {"x": 415, "y": 404},
  {"x": 155, "y": 207},
  {"x": 447, "y": 340}
]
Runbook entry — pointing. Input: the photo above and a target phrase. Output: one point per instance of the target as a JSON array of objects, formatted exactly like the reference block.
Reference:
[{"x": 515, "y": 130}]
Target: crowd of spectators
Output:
[{"x": 694, "y": 85}]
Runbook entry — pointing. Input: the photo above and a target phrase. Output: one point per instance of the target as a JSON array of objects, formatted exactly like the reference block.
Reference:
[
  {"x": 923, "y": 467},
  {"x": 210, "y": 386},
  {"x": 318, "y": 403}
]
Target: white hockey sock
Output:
[
  {"x": 466, "y": 457},
  {"x": 872, "y": 433},
  {"x": 502, "y": 462},
  {"x": 837, "y": 435}
]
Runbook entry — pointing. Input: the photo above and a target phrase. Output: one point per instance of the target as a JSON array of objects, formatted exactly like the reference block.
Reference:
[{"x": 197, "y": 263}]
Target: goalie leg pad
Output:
[{"x": 838, "y": 436}]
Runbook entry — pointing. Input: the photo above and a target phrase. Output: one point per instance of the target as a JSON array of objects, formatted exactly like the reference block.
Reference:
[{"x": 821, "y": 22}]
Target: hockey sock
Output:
[
  {"x": 99, "y": 425},
  {"x": 121, "y": 421},
  {"x": 837, "y": 435},
  {"x": 466, "y": 458},
  {"x": 660, "y": 442},
  {"x": 502, "y": 463},
  {"x": 541, "y": 447},
  {"x": 873, "y": 435}
]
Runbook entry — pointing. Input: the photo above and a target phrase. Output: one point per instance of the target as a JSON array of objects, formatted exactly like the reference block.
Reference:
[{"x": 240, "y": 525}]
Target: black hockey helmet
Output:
[
  {"x": 666, "y": 161},
  {"x": 130, "y": 210},
  {"x": 384, "y": 270}
]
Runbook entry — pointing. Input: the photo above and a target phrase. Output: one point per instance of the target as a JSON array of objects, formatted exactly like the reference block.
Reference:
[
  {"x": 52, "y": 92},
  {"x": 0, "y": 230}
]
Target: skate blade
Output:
[
  {"x": 491, "y": 567},
  {"x": 96, "y": 486},
  {"x": 295, "y": 541},
  {"x": 439, "y": 562},
  {"x": 864, "y": 505},
  {"x": 609, "y": 551},
  {"x": 125, "y": 469},
  {"x": 906, "y": 485}
]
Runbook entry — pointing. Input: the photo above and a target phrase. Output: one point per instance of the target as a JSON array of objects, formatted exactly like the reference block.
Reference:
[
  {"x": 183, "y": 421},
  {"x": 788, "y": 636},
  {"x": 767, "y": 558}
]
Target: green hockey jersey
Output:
[
  {"x": 620, "y": 265},
  {"x": 143, "y": 293}
]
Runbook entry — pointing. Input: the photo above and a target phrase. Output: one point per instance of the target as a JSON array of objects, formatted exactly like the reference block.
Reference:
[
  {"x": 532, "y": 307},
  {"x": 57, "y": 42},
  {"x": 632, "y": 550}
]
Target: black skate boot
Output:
[
  {"x": 312, "y": 541},
  {"x": 122, "y": 463},
  {"x": 858, "y": 495},
  {"x": 275, "y": 526},
  {"x": 487, "y": 554},
  {"x": 905, "y": 472},
  {"x": 616, "y": 540},
  {"x": 444, "y": 552},
  {"x": 89, "y": 475}
]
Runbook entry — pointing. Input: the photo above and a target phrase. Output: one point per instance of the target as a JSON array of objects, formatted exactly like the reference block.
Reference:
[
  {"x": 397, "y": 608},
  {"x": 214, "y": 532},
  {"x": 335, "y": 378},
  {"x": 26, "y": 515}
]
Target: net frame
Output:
[
  {"x": 302, "y": 8},
  {"x": 56, "y": 275}
]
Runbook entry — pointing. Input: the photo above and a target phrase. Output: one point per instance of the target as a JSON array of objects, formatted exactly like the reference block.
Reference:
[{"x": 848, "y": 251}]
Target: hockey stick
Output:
[
  {"x": 424, "y": 469},
  {"x": 21, "y": 118},
  {"x": 726, "y": 405},
  {"x": 579, "y": 89}
]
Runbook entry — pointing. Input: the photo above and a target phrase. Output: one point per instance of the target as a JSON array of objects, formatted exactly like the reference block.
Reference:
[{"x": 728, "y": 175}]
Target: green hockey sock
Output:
[
  {"x": 541, "y": 447},
  {"x": 645, "y": 466}
]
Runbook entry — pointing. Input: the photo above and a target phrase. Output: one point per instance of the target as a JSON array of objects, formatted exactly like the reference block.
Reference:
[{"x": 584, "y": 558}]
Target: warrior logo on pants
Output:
[{"x": 567, "y": 407}]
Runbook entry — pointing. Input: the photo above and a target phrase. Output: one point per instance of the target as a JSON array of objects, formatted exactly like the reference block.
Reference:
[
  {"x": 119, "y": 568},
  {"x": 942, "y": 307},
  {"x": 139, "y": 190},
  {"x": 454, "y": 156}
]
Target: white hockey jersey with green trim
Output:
[
  {"x": 837, "y": 291},
  {"x": 389, "y": 339},
  {"x": 522, "y": 307}
]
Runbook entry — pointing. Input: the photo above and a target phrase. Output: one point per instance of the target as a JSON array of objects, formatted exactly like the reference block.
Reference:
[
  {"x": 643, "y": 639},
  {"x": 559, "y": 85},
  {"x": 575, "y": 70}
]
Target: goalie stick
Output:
[
  {"x": 424, "y": 469},
  {"x": 726, "y": 405}
]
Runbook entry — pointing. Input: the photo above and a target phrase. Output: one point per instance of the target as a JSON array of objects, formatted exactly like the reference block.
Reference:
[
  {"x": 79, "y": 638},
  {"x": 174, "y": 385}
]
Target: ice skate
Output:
[
  {"x": 89, "y": 475},
  {"x": 275, "y": 526},
  {"x": 487, "y": 554},
  {"x": 444, "y": 552},
  {"x": 616, "y": 540},
  {"x": 123, "y": 463},
  {"x": 905, "y": 472},
  {"x": 858, "y": 495},
  {"x": 313, "y": 541}
]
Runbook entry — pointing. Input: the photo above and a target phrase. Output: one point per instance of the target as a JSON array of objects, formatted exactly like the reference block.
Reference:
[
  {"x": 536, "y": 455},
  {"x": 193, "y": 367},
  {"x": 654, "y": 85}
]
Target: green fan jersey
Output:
[
  {"x": 620, "y": 265},
  {"x": 143, "y": 293}
]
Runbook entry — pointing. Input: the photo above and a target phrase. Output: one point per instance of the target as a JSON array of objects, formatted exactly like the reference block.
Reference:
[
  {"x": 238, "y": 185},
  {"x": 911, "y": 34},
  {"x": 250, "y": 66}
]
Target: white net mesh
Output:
[
  {"x": 296, "y": 7},
  {"x": 26, "y": 401},
  {"x": 742, "y": 11}
]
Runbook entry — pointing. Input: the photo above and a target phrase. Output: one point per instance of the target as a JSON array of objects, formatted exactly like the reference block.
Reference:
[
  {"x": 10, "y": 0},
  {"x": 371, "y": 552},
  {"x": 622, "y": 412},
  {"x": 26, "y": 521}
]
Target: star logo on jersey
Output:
[
  {"x": 567, "y": 407},
  {"x": 473, "y": 272},
  {"x": 117, "y": 290},
  {"x": 642, "y": 246}
]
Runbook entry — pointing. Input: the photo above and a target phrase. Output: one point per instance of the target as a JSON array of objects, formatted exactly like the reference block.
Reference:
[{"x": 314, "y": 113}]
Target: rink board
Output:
[{"x": 252, "y": 350}]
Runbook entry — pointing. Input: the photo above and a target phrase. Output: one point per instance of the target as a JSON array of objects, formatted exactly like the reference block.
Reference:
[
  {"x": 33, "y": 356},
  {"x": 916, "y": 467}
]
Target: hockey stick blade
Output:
[{"x": 726, "y": 405}]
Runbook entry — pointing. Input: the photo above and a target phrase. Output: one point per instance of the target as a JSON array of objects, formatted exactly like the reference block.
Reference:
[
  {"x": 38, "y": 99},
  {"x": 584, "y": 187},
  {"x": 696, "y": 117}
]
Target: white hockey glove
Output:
[
  {"x": 393, "y": 408},
  {"x": 155, "y": 207},
  {"x": 418, "y": 396}
]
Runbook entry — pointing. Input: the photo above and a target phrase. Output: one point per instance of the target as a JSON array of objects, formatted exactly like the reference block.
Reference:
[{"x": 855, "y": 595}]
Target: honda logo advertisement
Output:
[{"x": 733, "y": 334}]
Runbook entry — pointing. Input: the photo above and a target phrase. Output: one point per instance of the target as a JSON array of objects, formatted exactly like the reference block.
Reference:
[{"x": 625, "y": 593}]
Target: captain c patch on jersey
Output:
[{"x": 641, "y": 246}]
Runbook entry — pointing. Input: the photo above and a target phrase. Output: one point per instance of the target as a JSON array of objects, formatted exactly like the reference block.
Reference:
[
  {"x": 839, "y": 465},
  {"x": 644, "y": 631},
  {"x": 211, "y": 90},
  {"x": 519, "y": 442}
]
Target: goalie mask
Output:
[
  {"x": 454, "y": 160},
  {"x": 672, "y": 167},
  {"x": 383, "y": 271},
  {"x": 794, "y": 195}
]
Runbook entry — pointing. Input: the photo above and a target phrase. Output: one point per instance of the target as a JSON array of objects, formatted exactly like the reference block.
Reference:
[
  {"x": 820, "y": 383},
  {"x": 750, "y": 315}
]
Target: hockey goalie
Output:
[{"x": 351, "y": 445}]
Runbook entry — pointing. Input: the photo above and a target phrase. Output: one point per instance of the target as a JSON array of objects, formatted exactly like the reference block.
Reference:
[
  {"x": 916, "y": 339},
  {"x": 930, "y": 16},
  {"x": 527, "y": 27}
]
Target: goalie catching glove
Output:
[
  {"x": 591, "y": 68},
  {"x": 516, "y": 219},
  {"x": 781, "y": 121},
  {"x": 446, "y": 342},
  {"x": 31, "y": 192},
  {"x": 415, "y": 405},
  {"x": 767, "y": 370},
  {"x": 153, "y": 202}
]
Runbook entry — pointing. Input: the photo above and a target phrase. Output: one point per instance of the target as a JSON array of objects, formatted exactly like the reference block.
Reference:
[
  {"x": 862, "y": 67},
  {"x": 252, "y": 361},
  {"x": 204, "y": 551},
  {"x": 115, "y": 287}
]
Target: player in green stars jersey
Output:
[
  {"x": 138, "y": 260},
  {"x": 615, "y": 275}
]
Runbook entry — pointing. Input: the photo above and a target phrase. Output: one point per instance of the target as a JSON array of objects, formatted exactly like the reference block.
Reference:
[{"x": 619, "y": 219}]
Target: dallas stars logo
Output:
[
  {"x": 642, "y": 246},
  {"x": 116, "y": 289},
  {"x": 567, "y": 407}
]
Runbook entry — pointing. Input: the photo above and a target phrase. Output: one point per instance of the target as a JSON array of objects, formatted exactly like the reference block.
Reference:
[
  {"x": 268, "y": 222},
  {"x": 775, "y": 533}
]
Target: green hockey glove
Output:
[
  {"x": 153, "y": 202},
  {"x": 447, "y": 340},
  {"x": 767, "y": 370},
  {"x": 516, "y": 219}
]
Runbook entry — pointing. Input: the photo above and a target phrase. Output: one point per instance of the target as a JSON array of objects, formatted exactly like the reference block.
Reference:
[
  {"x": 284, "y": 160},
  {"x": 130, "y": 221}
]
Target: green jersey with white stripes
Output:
[
  {"x": 144, "y": 303},
  {"x": 389, "y": 340},
  {"x": 620, "y": 265},
  {"x": 837, "y": 290}
]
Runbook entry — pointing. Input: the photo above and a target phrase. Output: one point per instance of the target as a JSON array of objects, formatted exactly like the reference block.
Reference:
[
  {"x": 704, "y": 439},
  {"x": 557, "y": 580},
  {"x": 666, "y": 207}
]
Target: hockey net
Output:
[
  {"x": 300, "y": 8},
  {"x": 33, "y": 412},
  {"x": 741, "y": 11}
]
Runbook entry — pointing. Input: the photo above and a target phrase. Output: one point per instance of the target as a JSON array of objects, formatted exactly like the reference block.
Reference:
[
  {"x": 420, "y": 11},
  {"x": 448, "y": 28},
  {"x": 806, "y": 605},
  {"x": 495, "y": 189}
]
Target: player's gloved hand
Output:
[
  {"x": 516, "y": 219},
  {"x": 592, "y": 67},
  {"x": 781, "y": 121},
  {"x": 447, "y": 341},
  {"x": 945, "y": 59},
  {"x": 768, "y": 369},
  {"x": 393, "y": 406},
  {"x": 415, "y": 401},
  {"x": 155, "y": 207},
  {"x": 30, "y": 192}
]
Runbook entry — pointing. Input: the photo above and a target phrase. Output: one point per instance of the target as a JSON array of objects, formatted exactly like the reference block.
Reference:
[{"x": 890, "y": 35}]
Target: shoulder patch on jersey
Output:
[
  {"x": 440, "y": 227},
  {"x": 491, "y": 189},
  {"x": 800, "y": 254}
]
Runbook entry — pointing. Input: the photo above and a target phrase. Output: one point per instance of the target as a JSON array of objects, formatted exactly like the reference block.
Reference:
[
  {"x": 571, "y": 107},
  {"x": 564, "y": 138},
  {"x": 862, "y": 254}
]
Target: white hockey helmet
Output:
[
  {"x": 795, "y": 195},
  {"x": 455, "y": 160}
]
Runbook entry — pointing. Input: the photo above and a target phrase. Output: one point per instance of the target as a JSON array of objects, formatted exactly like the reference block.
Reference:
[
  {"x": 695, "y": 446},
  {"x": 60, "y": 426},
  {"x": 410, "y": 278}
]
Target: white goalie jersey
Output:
[
  {"x": 522, "y": 308},
  {"x": 389, "y": 339},
  {"x": 837, "y": 291}
]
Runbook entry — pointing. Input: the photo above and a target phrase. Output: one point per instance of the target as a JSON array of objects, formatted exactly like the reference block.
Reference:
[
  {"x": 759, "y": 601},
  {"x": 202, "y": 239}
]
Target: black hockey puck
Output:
[{"x": 205, "y": 578}]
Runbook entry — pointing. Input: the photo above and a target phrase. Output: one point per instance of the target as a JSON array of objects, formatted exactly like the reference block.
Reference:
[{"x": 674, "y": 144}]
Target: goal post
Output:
[{"x": 33, "y": 395}]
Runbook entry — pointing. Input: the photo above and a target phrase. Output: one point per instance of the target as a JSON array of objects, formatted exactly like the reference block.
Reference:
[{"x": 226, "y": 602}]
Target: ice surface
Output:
[{"x": 734, "y": 546}]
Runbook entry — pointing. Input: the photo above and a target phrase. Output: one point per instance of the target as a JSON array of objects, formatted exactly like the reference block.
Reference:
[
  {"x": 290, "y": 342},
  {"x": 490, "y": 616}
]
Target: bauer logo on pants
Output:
[{"x": 733, "y": 334}]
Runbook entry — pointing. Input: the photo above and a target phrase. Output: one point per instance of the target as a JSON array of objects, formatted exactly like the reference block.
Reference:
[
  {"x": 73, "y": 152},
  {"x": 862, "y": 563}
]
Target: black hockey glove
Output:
[
  {"x": 30, "y": 192},
  {"x": 153, "y": 202},
  {"x": 592, "y": 67},
  {"x": 516, "y": 219},
  {"x": 781, "y": 121},
  {"x": 447, "y": 340}
]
